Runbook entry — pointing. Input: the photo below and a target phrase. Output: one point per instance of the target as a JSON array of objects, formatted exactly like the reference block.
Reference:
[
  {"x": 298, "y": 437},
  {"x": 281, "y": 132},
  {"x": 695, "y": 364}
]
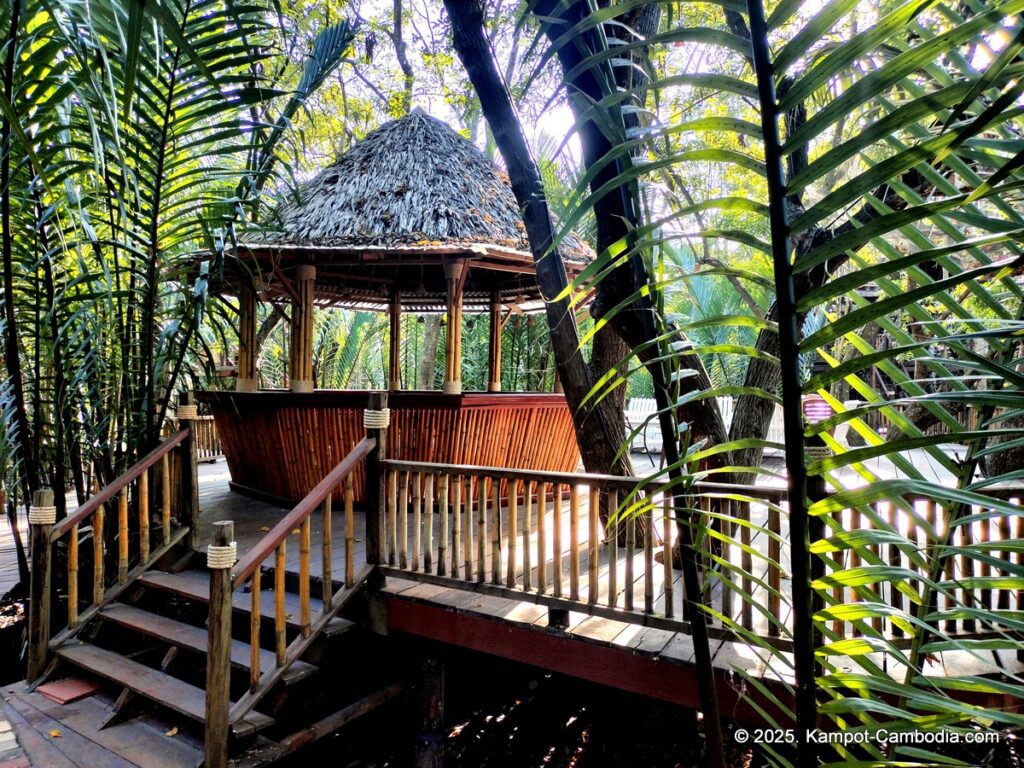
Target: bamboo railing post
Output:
[
  {"x": 647, "y": 521},
  {"x": 416, "y": 481},
  {"x": 144, "y": 516},
  {"x": 467, "y": 531},
  {"x": 165, "y": 497},
  {"x": 41, "y": 518},
  {"x": 188, "y": 494},
  {"x": 496, "y": 535},
  {"x": 542, "y": 533},
  {"x": 481, "y": 531},
  {"x": 255, "y": 617},
  {"x": 574, "y": 542},
  {"x": 350, "y": 533},
  {"x": 442, "y": 537},
  {"x": 513, "y": 531},
  {"x": 527, "y": 525},
  {"x": 326, "y": 552},
  {"x": 666, "y": 556},
  {"x": 280, "y": 626},
  {"x": 456, "y": 526},
  {"x": 556, "y": 537},
  {"x": 305, "y": 536},
  {"x": 73, "y": 576},
  {"x": 594, "y": 546},
  {"x": 774, "y": 569},
  {"x": 613, "y": 548},
  {"x": 630, "y": 576},
  {"x": 427, "y": 539},
  {"x": 122, "y": 536},
  {"x": 376, "y": 419},
  {"x": 220, "y": 557},
  {"x": 98, "y": 555}
]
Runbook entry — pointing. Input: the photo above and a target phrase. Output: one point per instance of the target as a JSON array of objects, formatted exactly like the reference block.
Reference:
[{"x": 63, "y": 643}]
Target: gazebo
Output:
[{"x": 414, "y": 218}]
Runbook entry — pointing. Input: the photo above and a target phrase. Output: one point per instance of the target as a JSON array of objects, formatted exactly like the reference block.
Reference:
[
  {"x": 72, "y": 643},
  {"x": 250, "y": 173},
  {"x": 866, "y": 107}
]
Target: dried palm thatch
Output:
[{"x": 413, "y": 181}]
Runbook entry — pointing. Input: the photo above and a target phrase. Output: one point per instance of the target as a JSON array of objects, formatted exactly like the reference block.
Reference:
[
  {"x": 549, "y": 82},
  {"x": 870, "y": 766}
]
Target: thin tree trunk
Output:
[
  {"x": 597, "y": 433},
  {"x": 29, "y": 475}
]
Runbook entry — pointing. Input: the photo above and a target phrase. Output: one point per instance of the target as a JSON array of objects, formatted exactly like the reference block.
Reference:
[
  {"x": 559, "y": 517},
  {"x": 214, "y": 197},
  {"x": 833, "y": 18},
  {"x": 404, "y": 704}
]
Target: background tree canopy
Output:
[{"x": 800, "y": 198}]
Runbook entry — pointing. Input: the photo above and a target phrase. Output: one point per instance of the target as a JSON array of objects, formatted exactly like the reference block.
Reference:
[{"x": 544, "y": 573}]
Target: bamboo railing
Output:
[
  {"x": 546, "y": 537},
  {"x": 129, "y": 500},
  {"x": 248, "y": 574}
]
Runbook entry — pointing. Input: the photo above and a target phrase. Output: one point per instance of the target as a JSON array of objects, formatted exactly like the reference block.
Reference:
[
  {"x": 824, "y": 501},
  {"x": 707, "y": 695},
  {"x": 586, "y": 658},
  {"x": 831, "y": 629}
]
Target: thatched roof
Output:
[
  {"x": 389, "y": 212},
  {"x": 412, "y": 180}
]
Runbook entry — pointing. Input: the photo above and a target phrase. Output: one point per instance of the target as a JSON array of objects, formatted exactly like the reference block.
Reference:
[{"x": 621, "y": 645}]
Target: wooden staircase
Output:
[
  {"x": 150, "y": 649},
  {"x": 209, "y": 649}
]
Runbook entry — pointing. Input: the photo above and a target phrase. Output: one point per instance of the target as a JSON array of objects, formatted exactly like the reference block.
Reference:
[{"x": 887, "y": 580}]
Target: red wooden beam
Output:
[{"x": 618, "y": 668}]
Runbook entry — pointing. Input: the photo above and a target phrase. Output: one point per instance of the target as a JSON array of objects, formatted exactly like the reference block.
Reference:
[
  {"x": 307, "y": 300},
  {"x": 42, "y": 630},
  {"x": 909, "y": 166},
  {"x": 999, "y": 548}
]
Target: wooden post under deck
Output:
[
  {"x": 453, "y": 272},
  {"x": 301, "y": 357},
  {"x": 395, "y": 343},
  {"x": 494, "y": 350},
  {"x": 39, "y": 586},
  {"x": 247, "y": 380}
]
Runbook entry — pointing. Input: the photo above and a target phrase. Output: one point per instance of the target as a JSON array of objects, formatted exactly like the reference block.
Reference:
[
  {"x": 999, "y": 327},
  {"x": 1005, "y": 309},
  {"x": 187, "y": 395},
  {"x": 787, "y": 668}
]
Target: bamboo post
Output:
[
  {"x": 255, "y": 616},
  {"x": 774, "y": 569},
  {"x": 467, "y": 537},
  {"x": 456, "y": 525},
  {"x": 165, "y": 497},
  {"x": 280, "y": 626},
  {"x": 376, "y": 419},
  {"x": 527, "y": 526},
  {"x": 188, "y": 495},
  {"x": 122, "y": 536},
  {"x": 41, "y": 518},
  {"x": 666, "y": 556},
  {"x": 496, "y": 531},
  {"x": 613, "y": 548},
  {"x": 98, "y": 555},
  {"x": 594, "y": 542},
  {"x": 350, "y": 533},
  {"x": 428, "y": 524},
  {"x": 301, "y": 357},
  {"x": 481, "y": 531},
  {"x": 630, "y": 556},
  {"x": 73, "y": 576},
  {"x": 494, "y": 347},
  {"x": 247, "y": 380},
  {"x": 442, "y": 536},
  {"x": 144, "y": 517},
  {"x": 556, "y": 536},
  {"x": 220, "y": 557},
  {"x": 395, "y": 343},
  {"x": 574, "y": 542},
  {"x": 542, "y": 544},
  {"x": 453, "y": 273},
  {"x": 392, "y": 520},
  {"x": 305, "y": 536},
  {"x": 416, "y": 480},
  {"x": 326, "y": 553},
  {"x": 513, "y": 531}
]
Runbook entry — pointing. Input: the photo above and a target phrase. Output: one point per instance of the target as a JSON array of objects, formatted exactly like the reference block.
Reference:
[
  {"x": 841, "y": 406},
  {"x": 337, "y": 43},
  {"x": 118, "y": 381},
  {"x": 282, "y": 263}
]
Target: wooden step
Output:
[
  {"x": 195, "y": 585},
  {"x": 157, "y": 686},
  {"x": 196, "y": 638}
]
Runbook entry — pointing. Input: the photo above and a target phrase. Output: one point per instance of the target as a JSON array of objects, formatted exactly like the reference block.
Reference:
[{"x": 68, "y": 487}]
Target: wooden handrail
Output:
[
  {"x": 575, "y": 478},
  {"x": 255, "y": 556},
  {"x": 111, "y": 490}
]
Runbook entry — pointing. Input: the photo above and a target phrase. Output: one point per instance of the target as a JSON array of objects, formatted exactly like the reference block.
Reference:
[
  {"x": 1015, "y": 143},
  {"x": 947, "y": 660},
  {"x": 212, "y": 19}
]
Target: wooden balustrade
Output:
[
  {"x": 542, "y": 536},
  {"x": 135, "y": 549},
  {"x": 312, "y": 619}
]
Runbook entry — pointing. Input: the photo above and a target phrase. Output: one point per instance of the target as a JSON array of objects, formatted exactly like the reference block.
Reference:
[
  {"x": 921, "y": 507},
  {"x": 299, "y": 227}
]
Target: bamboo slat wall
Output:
[{"x": 281, "y": 444}]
